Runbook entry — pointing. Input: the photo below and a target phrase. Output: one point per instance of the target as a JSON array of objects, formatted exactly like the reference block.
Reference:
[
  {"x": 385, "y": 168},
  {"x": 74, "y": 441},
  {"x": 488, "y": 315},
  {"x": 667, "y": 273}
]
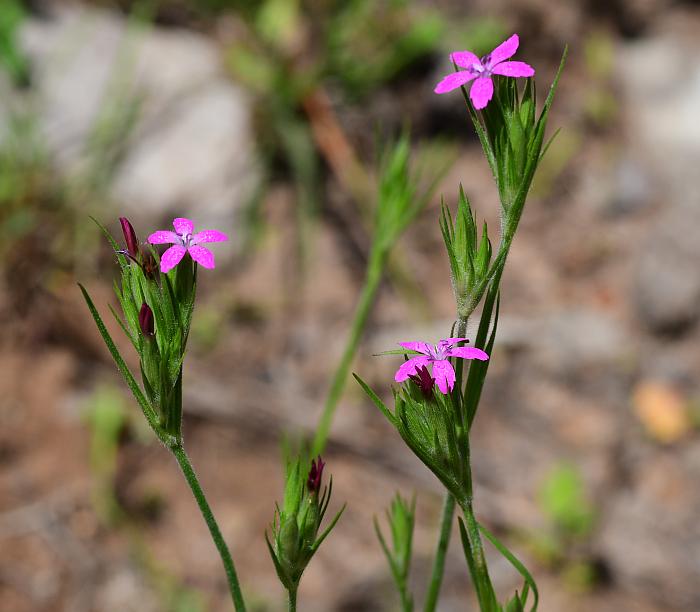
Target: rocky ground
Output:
[{"x": 596, "y": 363}]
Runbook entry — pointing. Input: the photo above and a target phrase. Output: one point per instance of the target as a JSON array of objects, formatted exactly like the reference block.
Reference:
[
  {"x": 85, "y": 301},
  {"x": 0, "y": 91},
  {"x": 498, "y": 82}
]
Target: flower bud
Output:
[
  {"x": 424, "y": 381},
  {"x": 132, "y": 242},
  {"x": 313, "y": 483},
  {"x": 146, "y": 321}
]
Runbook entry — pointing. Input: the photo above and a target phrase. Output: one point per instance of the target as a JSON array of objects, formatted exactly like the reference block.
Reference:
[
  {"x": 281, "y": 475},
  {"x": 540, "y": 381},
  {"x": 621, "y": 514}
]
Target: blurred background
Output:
[{"x": 264, "y": 119}]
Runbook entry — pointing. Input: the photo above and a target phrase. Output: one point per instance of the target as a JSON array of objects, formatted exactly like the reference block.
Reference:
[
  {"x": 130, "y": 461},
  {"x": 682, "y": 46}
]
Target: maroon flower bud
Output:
[
  {"x": 132, "y": 242},
  {"x": 424, "y": 380},
  {"x": 146, "y": 320},
  {"x": 315, "y": 474}
]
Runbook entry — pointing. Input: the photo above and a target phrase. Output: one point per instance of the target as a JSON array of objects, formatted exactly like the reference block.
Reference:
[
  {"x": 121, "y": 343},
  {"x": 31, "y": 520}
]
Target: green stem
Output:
[
  {"x": 191, "y": 478},
  {"x": 406, "y": 599},
  {"x": 292, "y": 600},
  {"x": 481, "y": 579},
  {"x": 448, "y": 511},
  {"x": 375, "y": 267}
]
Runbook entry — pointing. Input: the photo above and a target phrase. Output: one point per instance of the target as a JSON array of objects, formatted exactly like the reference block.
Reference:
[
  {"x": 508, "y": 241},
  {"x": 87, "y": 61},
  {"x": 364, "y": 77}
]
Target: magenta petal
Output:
[
  {"x": 465, "y": 59},
  {"x": 514, "y": 69},
  {"x": 171, "y": 258},
  {"x": 421, "y": 347},
  {"x": 209, "y": 236},
  {"x": 453, "y": 81},
  {"x": 183, "y": 226},
  {"x": 444, "y": 375},
  {"x": 408, "y": 368},
  {"x": 202, "y": 256},
  {"x": 503, "y": 51},
  {"x": 163, "y": 237},
  {"x": 481, "y": 92},
  {"x": 468, "y": 352}
]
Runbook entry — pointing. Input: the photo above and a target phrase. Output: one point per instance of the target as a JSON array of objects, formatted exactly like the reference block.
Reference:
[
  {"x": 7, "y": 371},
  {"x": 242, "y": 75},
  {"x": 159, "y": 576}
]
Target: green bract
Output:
[
  {"x": 401, "y": 516},
  {"x": 295, "y": 528}
]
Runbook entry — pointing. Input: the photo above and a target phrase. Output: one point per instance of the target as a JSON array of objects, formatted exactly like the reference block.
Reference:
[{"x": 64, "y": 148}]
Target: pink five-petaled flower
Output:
[
  {"x": 437, "y": 355},
  {"x": 482, "y": 69},
  {"x": 184, "y": 240}
]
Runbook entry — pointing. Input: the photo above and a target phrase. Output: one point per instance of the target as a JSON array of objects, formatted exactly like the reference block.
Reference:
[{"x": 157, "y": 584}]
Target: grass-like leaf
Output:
[
  {"x": 146, "y": 408},
  {"x": 517, "y": 564}
]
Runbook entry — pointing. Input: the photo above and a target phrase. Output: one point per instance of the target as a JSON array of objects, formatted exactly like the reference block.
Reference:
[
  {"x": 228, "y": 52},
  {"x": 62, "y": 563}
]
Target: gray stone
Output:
[
  {"x": 667, "y": 284},
  {"x": 661, "y": 83},
  {"x": 189, "y": 149}
]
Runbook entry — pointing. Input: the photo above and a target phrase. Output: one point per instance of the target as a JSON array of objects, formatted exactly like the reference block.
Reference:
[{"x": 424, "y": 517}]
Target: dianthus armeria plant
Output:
[
  {"x": 437, "y": 399},
  {"x": 438, "y": 385}
]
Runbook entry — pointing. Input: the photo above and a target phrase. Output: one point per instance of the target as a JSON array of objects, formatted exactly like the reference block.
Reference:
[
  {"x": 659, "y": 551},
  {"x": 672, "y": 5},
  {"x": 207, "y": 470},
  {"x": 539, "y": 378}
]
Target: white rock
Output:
[{"x": 190, "y": 151}]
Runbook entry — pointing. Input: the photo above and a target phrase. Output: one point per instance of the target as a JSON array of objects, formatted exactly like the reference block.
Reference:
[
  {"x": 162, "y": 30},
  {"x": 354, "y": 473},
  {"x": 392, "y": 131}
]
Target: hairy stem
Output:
[
  {"x": 292, "y": 600},
  {"x": 191, "y": 478}
]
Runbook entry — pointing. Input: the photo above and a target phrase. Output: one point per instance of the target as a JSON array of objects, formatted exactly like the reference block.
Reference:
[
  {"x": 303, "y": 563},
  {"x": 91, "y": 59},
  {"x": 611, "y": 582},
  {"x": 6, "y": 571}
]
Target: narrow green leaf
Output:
[
  {"x": 377, "y": 402},
  {"x": 328, "y": 529},
  {"x": 121, "y": 365},
  {"x": 516, "y": 563}
]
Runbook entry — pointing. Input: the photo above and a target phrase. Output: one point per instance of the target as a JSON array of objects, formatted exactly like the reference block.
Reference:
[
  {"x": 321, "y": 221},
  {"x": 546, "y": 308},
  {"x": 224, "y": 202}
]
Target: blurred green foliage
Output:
[
  {"x": 600, "y": 103},
  {"x": 106, "y": 417},
  {"x": 570, "y": 519},
  {"x": 12, "y": 59},
  {"x": 563, "y": 500}
]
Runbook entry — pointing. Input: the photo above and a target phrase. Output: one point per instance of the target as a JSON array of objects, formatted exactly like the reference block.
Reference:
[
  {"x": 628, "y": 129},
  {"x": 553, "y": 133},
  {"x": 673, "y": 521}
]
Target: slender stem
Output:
[
  {"x": 448, "y": 511},
  {"x": 214, "y": 530},
  {"x": 292, "y": 600},
  {"x": 375, "y": 268},
  {"x": 481, "y": 578},
  {"x": 406, "y": 599}
]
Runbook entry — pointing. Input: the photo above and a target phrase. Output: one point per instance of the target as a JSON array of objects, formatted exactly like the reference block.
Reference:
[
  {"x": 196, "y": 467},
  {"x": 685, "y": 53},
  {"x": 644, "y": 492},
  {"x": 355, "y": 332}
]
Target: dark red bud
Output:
[
  {"x": 315, "y": 474},
  {"x": 132, "y": 242},
  {"x": 424, "y": 380},
  {"x": 146, "y": 320}
]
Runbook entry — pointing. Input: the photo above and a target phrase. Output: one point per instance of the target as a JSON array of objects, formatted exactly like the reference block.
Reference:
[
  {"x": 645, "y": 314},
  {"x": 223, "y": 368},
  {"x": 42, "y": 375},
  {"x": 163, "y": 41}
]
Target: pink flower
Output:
[
  {"x": 482, "y": 70},
  {"x": 437, "y": 355},
  {"x": 185, "y": 241}
]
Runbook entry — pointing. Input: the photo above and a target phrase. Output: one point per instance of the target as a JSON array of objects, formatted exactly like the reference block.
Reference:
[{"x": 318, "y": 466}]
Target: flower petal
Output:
[
  {"x": 183, "y": 226},
  {"x": 421, "y": 347},
  {"x": 468, "y": 352},
  {"x": 171, "y": 258},
  {"x": 163, "y": 237},
  {"x": 502, "y": 52},
  {"x": 481, "y": 92},
  {"x": 408, "y": 368},
  {"x": 465, "y": 59},
  {"x": 208, "y": 236},
  {"x": 444, "y": 375},
  {"x": 202, "y": 256},
  {"x": 453, "y": 81},
  {"x": 513, "y": 69}
]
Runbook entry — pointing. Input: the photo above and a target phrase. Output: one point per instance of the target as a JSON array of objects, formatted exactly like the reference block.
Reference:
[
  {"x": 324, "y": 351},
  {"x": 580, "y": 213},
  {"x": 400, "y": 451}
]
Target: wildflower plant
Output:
[
  {"x": 439, "y": 385},
  {"x": 434, "y": 412},
  {"x": 296, "y": 526}
]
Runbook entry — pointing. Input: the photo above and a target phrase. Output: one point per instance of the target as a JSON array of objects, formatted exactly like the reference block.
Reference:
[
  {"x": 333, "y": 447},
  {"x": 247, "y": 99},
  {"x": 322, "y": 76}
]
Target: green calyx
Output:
[
  {"x": 468, "y": 255},
  {"x": 296, "y": 526}
]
